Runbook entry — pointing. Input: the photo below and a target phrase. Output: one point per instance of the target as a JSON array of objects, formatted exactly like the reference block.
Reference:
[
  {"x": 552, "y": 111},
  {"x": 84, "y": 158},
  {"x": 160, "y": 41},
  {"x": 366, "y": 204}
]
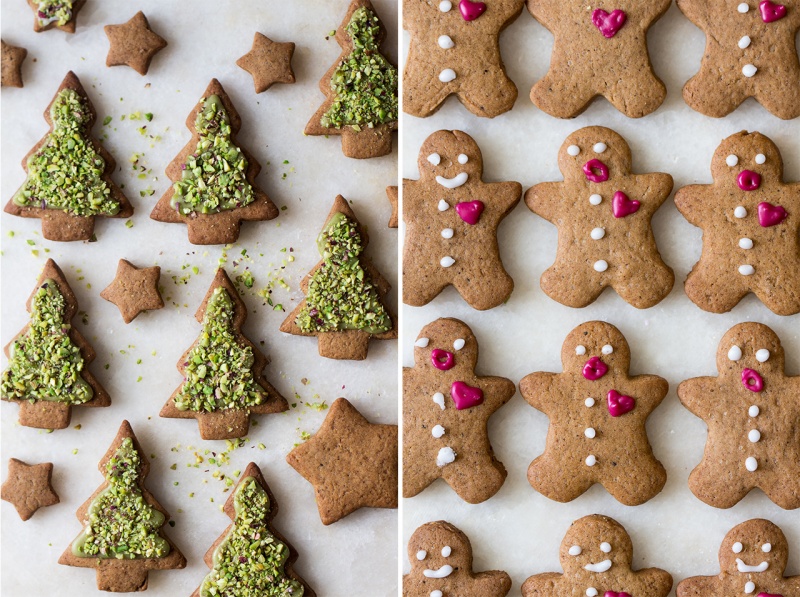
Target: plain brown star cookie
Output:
[
  {"x": 134, "y": 290},
  {"x": 351, "y": 463},
  {"x": 29, "y": 487},
  {"x": 268, "y": 62},
  {"x": 12, "y": 59},
  {"x": 43, "y": 22},
  {"x": 133, "y": 44}
]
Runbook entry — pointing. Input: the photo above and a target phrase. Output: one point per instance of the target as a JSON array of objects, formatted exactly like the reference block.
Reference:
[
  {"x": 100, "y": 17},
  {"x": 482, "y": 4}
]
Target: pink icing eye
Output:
[{"x": 442, "y": 360}]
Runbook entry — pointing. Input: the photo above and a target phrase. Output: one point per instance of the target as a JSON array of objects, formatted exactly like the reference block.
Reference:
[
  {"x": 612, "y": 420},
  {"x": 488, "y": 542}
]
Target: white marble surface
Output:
[
  {"x": 355, "y": 556},
  {"x": 519, "y": 530}
]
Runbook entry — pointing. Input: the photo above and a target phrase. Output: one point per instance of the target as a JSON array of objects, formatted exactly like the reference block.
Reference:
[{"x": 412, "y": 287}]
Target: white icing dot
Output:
[
  {"x": 742, "y": 8},
  {"x": 731, "y": 160},
  {"x": 753, "y": 411},
  {"x": 598, "y": 233},
  {"x": 766, "y": 548},
  {"x": 737, "y": 547},
  {"x": 421, "y": 342},
  {"x": 443, "y": 205},
  {"x": 445, "y": 42},
  {"x": 573, "y": 150},
  {"x": 735, "y": 353},
  {"x": 754, "y": 435},
  {"x": 575, "y": 550},
  {"x": 607, "y": 349},
  {"x": 591, "y": 592},
  {"x": 447, "y": 233},
  {"x": 438, "y": 398},
  {"x": 447, "y": 75},
  {"x": 580, "y": 350},
  {"x": 749, "y": 587},
  {"x": 447, "y": 261},
  {"x": 600, "y": 147},
  {"x": 605, "y": 547},
  {"x": 751, "y": 464},
  {"x": 435, "y": 159},
  {"x": 744, "y": 42},
  {"x": 589, "y": 402},
  {"x": 595, "y": 199},
  {"x": 591, "y": 460},
  {"x": 445, "y": 5},
  {"x": 740, "y": 212},
  {"x": 437, "y": 431},
  {"x": 421, "y": 554},
  {"x": 747, "y": 270},
  {"x": 445, "y": 456},
  {"x": 746, "y": 243},
  {"x": 590, "y": 433},
  {"x": 446, "y": 551},
  {"x": 459, "y": 344},
  {"x": 601, "y": 265},
  {"x": 462, "y": 158},
  {"x": 762, "y": 355},
  {"x": 761, "y": 158},
  {"x": 748, "y": 70},
  {"x": 436, "y": 593}
]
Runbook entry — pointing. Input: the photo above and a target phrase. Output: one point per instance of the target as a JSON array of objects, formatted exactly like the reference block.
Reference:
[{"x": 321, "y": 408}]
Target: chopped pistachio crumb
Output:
[
  {"x": 129, "y": 224},
  {"x": 107, "y": 120},
  {"x": 54, "y": 11}
]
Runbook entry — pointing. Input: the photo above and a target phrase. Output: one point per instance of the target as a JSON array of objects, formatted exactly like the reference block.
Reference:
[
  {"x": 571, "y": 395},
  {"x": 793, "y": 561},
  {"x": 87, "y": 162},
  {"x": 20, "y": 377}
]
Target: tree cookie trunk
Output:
[
  {"x": 350, "y": 345},
  {"x": 226, "y": 424},
  {"x": 43, "y": 414},
  {"x": 367, "y": 143},
  {"x": 121, "y": 576},
  {"x": 60, "y": 226}
]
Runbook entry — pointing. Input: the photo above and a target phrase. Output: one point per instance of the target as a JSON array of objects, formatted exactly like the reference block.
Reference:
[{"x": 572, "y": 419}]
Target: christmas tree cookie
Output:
[
  {"x": 251, "y": 558},
  {"x": 344, "y": 292},
  {"x": 222, "y": 371},
  {"x": 361, "y": 88},
  {"x": 69, "y": 173},
  {"x": 214, "y": 187},
  {"x": 123, "y": 536},
  {"x": 47, "y": 372}
]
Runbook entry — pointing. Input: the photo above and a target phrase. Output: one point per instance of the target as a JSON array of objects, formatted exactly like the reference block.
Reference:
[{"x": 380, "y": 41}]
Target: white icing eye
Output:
[
  {"x": 462, "y": 158},
  {"x": 743, "y": 8},
  {"x": 607, "y": 349},
  {"x": 580, "y": 350},
  {"x": 605, "y": 547},
  {"x": 766, "y": 548},
  {"x": 740, "y": 212},
  {"x": 737, "y": 547},
  {"x": 435, "y": 159},
  {"x": 573, "y": 150},
  {"x": 731, "y": 160},
  {"x": 459, "y": 344},
  {"x": 445, "y": 5},
  {"x": 762, "y": 355},
  {"x": 600, "y": 147},
  {"x": 446, "y": 551},
  {"x": 761, "y": 158},
  {"x": 735, "y": 353},
  {"x": 421, "y": 342},
  {"x": 422, "y": 554},
  {"x": 575, "y": 550}
]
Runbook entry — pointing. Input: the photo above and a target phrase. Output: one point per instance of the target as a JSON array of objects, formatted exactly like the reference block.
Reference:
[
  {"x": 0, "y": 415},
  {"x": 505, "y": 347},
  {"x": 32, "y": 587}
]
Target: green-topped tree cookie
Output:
[
  {"x": 361, "y": 88},
  {"x": 251, "y": 559},
  {"x": 213, "y": 179},
  {"x": 344, "y": 292},
  {"x": 223, "y": 370},
  {"x": 69, "y": 173},
  {"x": 123, "y": 536},
  {"x": 48, "y": 360}
]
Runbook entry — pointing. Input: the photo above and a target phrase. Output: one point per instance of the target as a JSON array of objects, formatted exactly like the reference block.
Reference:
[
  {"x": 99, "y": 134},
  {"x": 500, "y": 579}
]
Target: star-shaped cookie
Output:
[
  {"x": 269, "y": 62},
  {"x": 29, "y": 487},
  {"x": 41, "y": 22},
  {"x": 133, "y": 44},
  {"x": 134, "y": 290},
  {"x": 351, "y": 463},
  {"x": 13, "y": 57}
]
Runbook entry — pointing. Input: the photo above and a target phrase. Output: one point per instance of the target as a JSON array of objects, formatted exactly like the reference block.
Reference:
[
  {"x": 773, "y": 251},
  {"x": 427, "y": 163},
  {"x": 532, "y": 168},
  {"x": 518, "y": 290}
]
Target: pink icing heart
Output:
[
  {"x": 594, "y": 369},
  {"x": 470, "y": 211},
  {"x": 595, "y": 171},
  {"x": 471, "y": 10},
  {"x": 619, "y": 404},
  {"x": 771, "y": 215},
  {"x": 609, "y": 24},
  {"x": 442, "y": 359},
  {"x": 465, "y": 396},
  {"x": 615, "y": 594},
  {"x": 769, "y": 595},
  {"x": 771, "y": 12},
  {"x": 622, "y": 206},
  {"x": 748, "y": 180},
  {"x": 752, "y": 380}
]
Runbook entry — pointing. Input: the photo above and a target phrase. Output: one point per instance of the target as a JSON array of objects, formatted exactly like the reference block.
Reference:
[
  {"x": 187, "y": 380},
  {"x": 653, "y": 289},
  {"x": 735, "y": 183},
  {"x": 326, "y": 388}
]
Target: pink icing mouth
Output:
[
  {"x": 595, "y": 171},
  {"x": 465, "y": 396},
  {"x": 748, "y": 180},
  {"x": 752, "y": 380},
  {"x": 769, "y": 595},
  {"x": 471, "y": 10},
  {"x": 771, "y": 215},
  {"x": 771, "y": 12},
  {"x": 609, "y": 24},
  {"x": 442, "y": 359},
  {"x": 615, "y": 594},
  {"x": 594, "y": 369},
  {"x": 470, "y": 211},
  {"x": 619, "y": 404},
  {"x": 622, "y": 206}
]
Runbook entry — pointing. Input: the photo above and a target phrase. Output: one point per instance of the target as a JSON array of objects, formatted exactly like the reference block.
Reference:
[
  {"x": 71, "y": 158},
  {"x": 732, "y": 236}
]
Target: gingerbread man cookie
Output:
[
  {"x": 753, "y": 415},
  {"x": 751, "y": 229},
  {"x": 451, "y": 218},
  {"x": 446, "y": 407},
  {"x": 441, "y": 566},
  {"x": 455, "y": 50},
  {"x": 603, "y": 213},
  {"x": 596, "y": 555},
  {"x": 597, "y": 418},
  {"x": 600, "y": 49},
  {"x": 752, "y": 560},
  {"x": 750, "y": 52}
]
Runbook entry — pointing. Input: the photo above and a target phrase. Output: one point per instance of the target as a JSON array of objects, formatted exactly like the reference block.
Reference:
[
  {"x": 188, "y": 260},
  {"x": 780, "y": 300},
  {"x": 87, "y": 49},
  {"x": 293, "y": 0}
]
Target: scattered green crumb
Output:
[{"x": 129, "y": 224}]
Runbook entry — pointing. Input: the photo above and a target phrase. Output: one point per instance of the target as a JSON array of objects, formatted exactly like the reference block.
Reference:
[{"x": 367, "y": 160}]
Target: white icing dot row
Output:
[{"x": 735, "y": 353}]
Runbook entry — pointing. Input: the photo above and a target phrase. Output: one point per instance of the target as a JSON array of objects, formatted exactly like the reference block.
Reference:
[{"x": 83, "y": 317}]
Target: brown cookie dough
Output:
[
  {"x": 391, "y": 194},
  {"x": 29, "y": 487},
  {"x": 43, "y": 22},
  {"x": 269, "y": 62},
  {"x": 133, "y": 44},
  {"x": 134, "y": 290},
  {"x": 12, "y": 59}
]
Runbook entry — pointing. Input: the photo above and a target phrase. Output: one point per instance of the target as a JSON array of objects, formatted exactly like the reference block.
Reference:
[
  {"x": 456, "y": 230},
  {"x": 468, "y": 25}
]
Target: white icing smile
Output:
[
  {"x": 600, "y": 566},
  {"x": 742, "y": 567},
  {"x": 453, "y": 183},
  {"x": 442, "y": 572}
]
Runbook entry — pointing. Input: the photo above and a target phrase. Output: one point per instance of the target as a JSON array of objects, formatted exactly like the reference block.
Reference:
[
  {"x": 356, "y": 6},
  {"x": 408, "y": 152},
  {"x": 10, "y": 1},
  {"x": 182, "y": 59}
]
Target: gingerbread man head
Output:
[
  {"x": 439, "y": 550},
  {"x": 446, "y": 345},
  {"x": 451, "y": 158},
  {"x": 609, "y": 546},
  {"x": 747, "y": 162},
  {"x": 755, "y": 546},
  {"x": 594, "y": 348},
  {"x": 594, "y": 153},
  {"x": 751, "y": 353}
]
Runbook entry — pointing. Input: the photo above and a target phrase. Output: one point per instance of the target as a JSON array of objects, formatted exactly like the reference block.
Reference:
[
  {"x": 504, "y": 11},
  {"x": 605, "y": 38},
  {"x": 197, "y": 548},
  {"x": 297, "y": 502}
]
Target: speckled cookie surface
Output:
[
  {"x": 29, "y": 487},
  {"x": 12, "y": 59},
  {"x": 133, "y": 44},
  {"x": 134, "y": 290}
]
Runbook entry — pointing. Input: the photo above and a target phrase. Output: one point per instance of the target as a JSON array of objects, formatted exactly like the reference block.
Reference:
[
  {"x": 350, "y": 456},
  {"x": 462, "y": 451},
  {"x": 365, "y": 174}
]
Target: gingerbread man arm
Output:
[
  {"x": 699, "y": 395},
  {"x": 505, "y": 195},
  {"x": 658, "y": 582},
  {"x": 411, "y": 7},
  {"x": 693, "y": 202},
  {"x": 498, "y": 391},
  {"x": 536, "y": 389},
  {"x": 696, "y": 11},
  {"x": 699, "y": 586},
  {"x": 650, "y": 11},
  {"x": 546, "y": 200},
  {"x": 649, "y": 391},
  {"x": 494, "y": 583},
  {"x": 542, "y": 585},
  {"x": 547, "y": 12},
  {"x": 651, "y": 200},
  {"x": 509, "y": 9},
  {"x": 412, "y": 197}
]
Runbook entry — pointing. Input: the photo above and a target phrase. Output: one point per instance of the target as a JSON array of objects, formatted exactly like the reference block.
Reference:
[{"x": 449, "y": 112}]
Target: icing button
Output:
[
  {"x": 595, "y": 199},
  {"x": 754, "y": 435},
  {"x": 591, "y": 460},
  {"x": 447, "y": 233},
  {"x": 753, "y": 411},
  {"x": 447, "y": 75},
  {"x": 748, "y": 70},
  {"x": 747, "y": 270},
  {"x": 751, "y": 464},
  {"x": 740, "y": 212},
  {"x": 590, "y": 433},
  {"x": 589, "y": 402},
  {"x": 744, "y": 42},
  {"x": 742, "y": 8},
  {"x": 447, "y": 261},
  {"x": 600, "y": 266},
  {"x": 746, "y": 243},
  {"x": 443, "y": 205},
  {"x": 445, "y": 5},
  {"x": 445, "y": 42}
]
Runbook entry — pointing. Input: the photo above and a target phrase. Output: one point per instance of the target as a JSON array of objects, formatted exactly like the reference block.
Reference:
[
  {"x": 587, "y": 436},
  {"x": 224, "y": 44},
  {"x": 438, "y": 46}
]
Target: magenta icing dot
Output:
[
  {"x": 771, "y": 12},
  {"x": 622, "y": 206},
  {"x": 771, "y": 215},
  {"x": 619, "y": 404},
  {"x": 608, "y": 23},
  {"x": 752, "y": 380},
  {"x": 471, "y": 10},
  {"x": 442, "y": 359},
  {"x": 748, "y": 180},
  {"x": 594, "y": 369},
  {"x": 595, "y": 171},
  {"x": 470, "y": 211},
  {"x": 465, "y": 396}
]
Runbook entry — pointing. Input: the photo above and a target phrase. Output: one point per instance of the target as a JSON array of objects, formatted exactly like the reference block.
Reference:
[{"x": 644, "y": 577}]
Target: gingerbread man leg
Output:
[
  {"x": 490, "y": 292},
  {"x": 423, "y": 93},
  {"x": 555, "y": 480},
  {"x": 712, "y": 289},
  {"x": 562, "y": 283},
  {"x": 639, "y": 98},
  {"x": 560, "y": 95},
  {"x": 462, "y": 476},
  {"x": 777, "y": 103},
  {"x": 420, "y": 288},
  {"x": 708, "y": 95},
  {"x": 644, "y": 479},
  {"x": 644, "y": 288},
  {"x": 713, "y": 486},
  {"x": 782, "y": 298},
  {"x": 784, "y": 489},
  {"x": 489, "y": 92},
  {"x": 419, "y": 471}
]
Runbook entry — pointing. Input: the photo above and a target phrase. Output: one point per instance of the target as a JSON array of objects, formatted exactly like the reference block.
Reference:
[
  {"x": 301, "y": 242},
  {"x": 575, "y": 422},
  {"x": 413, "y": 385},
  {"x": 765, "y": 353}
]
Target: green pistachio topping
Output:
[
  {"x": 365, "y": 83},
  {"x": 54, "y": 11},
  {"x": 215, "y": 176},
  {"x": 340, "y": 294},
  {"x": 66, "y": 173},
  {"x": 249, "y": 562},
  {"x": 218, "y": 370},
  {"x": 44, "y": 363},
  {"x": 121, "y": 523}
]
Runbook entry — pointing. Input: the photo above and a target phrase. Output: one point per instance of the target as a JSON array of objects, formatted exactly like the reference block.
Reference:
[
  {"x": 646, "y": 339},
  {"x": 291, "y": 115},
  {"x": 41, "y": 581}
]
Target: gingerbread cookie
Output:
[
  {"x": 603, "y": 213},
  {"x": 600, "y": 49},
  {"x": 214, "y": 187},
  {"x": 133, "y": 44},
  {"x": 750, "y": 52},
  {"x": 29, "y": 487},
  {"x": 223, "y": 371},
  {"x": 751, "y": 229},
  {"x": 134, "y": 290},
  {"x": 752, "y": 411},
  {"x": 752, "y": 560},
  {"x": 251, "y": 553},
  {"x": 59, "y": 14},
  {"x": 597, "y": 415},
  {"x": 391, "y": 194},
  {"x": 451, "y": 218},
  {"x": 344, "y": 305},
  {"x": 269, "y": 62},
  {"x": 351, "y": 463},
  {"x": 447, "y": 437},
  {"x": 123, "y": 537},
  {"x": 12, "y": 59},
  {"x": 48, "y": 360},
  {"x": 455, "y": 50},
  {"x": 441, "y": 566},
  {"x": 360, "y": 88},
  {"x": 596, "y": 555},
  {"x": 69, "y": 173}
]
